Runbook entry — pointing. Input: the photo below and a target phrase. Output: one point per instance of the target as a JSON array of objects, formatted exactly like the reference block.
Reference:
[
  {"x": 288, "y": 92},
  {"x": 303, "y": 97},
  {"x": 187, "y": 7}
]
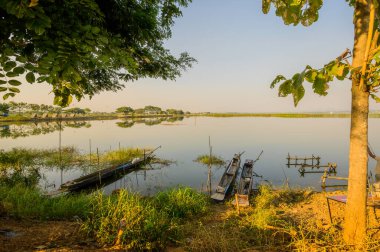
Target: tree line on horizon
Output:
[
  {"x": 150, "y": 110},
  {"x": 27, "y": 108}
]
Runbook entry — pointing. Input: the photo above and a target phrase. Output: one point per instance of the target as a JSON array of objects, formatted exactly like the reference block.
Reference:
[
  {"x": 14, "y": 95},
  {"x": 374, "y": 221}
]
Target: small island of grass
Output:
[{"x": 214, "y": 160}]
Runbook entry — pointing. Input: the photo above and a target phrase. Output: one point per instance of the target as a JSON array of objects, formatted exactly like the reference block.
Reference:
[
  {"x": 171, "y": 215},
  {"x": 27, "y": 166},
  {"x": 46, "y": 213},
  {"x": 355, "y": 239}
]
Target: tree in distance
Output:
[
  {"x": 84, "y": 47},
  {"x": 125, "y": 110}
]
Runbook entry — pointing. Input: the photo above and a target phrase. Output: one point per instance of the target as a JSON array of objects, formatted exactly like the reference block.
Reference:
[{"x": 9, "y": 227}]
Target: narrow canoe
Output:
[{"x": 226, "y": 182}]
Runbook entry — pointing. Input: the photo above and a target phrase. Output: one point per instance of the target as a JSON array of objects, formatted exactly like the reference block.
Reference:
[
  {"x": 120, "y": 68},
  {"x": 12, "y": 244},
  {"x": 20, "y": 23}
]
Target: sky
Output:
[{"x": 239, "y": 51}]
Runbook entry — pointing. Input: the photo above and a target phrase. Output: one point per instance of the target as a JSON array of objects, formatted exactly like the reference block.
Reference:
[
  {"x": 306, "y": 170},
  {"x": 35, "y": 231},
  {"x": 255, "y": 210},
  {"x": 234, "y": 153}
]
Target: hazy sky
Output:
[{"x": 239, "y": 51}]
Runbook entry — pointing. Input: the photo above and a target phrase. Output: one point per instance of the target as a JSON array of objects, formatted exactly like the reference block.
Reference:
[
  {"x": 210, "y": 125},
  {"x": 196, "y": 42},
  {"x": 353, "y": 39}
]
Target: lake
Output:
[{"x": 183, "y": 140}]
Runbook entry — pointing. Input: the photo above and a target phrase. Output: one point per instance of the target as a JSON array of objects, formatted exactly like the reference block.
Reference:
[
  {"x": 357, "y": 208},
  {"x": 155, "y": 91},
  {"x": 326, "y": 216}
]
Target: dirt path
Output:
[{"x": 29, "y": 235}]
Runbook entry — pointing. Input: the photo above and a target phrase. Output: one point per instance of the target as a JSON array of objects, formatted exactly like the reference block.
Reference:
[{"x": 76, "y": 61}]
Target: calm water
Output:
[{"x": 182, "y": 141}]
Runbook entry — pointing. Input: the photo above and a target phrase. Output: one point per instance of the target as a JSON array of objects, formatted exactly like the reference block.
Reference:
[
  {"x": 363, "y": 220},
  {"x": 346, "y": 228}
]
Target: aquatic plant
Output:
[{"x": 205, "y": 159}]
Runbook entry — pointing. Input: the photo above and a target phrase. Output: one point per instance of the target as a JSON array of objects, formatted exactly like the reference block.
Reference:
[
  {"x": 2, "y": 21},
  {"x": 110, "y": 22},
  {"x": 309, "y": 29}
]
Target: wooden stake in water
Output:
[
  {"x": 97, "y": 154},
  {"x": 209, "y": 167},
  {"x": 90, "y": 151},
  {"x": 60, "y": 151}
]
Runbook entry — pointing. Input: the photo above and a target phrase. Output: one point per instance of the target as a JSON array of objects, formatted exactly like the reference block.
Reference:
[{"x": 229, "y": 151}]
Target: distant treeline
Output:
[
  {"x": 149, "y": 110},
  {"x": 31, "y": 108}
]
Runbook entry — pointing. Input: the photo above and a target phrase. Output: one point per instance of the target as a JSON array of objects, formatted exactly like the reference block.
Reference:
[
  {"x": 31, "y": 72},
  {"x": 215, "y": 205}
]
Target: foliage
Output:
[
  {"x": 306, "y": 12},
  {"x": 174, "y": 112},
  {"x": 295, "y": 11},
  {"x": 125, "y": 110},
  {"x": 28, "y": 202},
  {"x": 84, "y": 47},
  {"x": 4, "y": 108},
  {"x": 75, "y": 111},
  {"x": 205, "y": 159}
]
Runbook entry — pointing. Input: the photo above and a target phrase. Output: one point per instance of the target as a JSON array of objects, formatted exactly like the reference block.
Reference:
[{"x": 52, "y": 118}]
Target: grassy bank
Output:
[
  {"x": 277, "y": 220},
  {"x": 135, "y": 222}
]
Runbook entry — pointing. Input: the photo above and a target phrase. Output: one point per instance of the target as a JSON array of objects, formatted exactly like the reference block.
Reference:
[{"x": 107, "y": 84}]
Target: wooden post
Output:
[
  {"x": 209, "y": 167},
  {"x": 237, "y": 203},
  {"x": 90, "y": 150}
]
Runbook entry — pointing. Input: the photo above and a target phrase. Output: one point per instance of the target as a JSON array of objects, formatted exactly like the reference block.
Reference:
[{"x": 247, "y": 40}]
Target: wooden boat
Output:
[
  {"x": 245, "y": 183},
  {"x": 97, "y": 177},
  {"x": 225, "y": 185}
]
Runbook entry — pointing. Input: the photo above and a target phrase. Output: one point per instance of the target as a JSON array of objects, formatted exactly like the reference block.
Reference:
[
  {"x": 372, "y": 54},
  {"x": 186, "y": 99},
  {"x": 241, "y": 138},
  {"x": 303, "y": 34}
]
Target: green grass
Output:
[
  {"x": 182, "y": 202},
  {"x": 28, "y": 202},
  {"x": 147, "y": 223},
  {"x": 205, "y": 159}
]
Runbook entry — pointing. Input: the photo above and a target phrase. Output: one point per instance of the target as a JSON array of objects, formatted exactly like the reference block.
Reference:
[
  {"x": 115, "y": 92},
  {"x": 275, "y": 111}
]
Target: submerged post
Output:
[{"x": 209, "y": 167}]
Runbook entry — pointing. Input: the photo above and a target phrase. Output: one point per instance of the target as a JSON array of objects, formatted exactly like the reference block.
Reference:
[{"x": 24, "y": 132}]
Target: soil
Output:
[{"x": 32, "y": 235}]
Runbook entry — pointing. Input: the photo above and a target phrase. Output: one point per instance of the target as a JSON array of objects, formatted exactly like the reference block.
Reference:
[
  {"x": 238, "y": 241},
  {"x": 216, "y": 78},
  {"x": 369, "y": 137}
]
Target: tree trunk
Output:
[{"x": 355, "y": 223}]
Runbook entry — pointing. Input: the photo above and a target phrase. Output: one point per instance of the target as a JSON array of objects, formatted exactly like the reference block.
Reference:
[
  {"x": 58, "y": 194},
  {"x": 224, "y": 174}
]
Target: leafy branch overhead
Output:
[
  {"x": 306, "y": 12},
  {"x": 83, "y": 47}
]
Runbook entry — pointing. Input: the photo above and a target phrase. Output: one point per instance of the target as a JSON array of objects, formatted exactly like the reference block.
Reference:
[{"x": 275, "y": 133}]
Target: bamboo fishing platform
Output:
[{"x": 299, "y": 161}]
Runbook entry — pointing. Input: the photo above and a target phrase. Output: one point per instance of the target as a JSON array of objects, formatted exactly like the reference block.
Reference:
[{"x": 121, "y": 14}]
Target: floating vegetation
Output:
[
  {"x": 205, "y": 159},
  {"x": 119, "y": 156}
]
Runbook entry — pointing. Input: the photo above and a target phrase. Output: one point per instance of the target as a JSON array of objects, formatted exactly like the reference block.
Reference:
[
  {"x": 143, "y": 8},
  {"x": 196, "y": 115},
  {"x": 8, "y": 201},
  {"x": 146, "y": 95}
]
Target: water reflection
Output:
[
  {"x": 15, "y": 131},
  {"x": 18, "y": 130},
  {"x": 150, "y": 121}
]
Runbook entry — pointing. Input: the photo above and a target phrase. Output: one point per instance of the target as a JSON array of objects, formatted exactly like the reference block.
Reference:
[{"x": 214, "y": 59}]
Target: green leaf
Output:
[
  {"x": 9, "y": 65},
  {"x": 320, "y": 85},
  {"x": 30, "y": 77},
  {"x": 19, "y": 70},
  {"x": 14, "y": 90},
  {"x": 2, "y": 75},
  {"x": 285, "y": 88},
  {"x": 277, "y": 80},
  {"x": 95, "y": 30},
  {"x": 14, "y": 82},
  {"x": 21, "y": 59},
  {"x": 2, "y": 89},
  {"x": 376, "y": 98},
  {"x": 266, "y": 6},
  {"x": 7, "y": 95},
  {"x": 12, "y": 74},
  {"x": 311, "y": 75},
  {"x": 29, "y": 67},
  {"x": 3, "y": 82},
  {"x": 298, "y": 94}
]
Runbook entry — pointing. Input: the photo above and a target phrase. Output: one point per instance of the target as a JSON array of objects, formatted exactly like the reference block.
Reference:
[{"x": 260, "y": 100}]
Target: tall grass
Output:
[
  {"x": 146, "y": 223},
  {"x": 182, "y": 202}
]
